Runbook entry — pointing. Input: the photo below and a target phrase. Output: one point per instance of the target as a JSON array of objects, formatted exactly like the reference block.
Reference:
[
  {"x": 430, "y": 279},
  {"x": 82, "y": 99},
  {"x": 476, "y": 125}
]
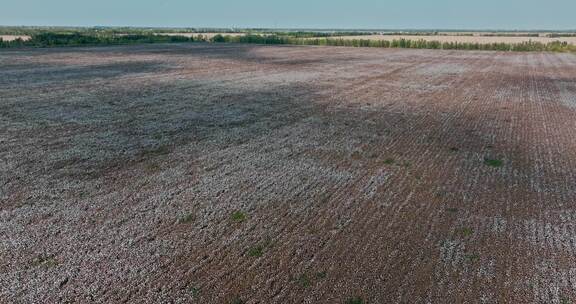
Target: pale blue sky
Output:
[{"x": 399, "y": 14}]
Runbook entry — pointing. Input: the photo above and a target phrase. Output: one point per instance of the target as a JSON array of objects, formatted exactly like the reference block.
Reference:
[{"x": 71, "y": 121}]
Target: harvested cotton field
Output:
[
  {"x": 215, "y": 173},
  {"x": 466, "y": 39},
  {"x": 14, "y": 37},
  {"x": 204, "y": 35}
]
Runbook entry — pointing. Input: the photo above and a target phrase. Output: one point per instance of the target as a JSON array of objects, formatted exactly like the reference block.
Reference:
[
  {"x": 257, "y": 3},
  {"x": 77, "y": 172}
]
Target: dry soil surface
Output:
[{"x": 202, "y": 173}]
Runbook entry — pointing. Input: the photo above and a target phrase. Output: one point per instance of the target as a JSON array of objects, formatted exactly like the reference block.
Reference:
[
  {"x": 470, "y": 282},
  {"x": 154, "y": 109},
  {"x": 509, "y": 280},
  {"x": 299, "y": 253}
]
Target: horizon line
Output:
[{"x": 300, "y": 28}]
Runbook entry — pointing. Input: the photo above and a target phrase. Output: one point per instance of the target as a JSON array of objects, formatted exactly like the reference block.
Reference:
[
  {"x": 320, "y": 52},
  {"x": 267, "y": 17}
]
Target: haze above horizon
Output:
[{"x": 362, "y": 14}]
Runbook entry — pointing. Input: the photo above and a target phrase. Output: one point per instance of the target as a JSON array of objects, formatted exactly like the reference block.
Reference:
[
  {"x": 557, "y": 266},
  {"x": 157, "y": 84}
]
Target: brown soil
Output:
[{"x": 217, "y": 173}]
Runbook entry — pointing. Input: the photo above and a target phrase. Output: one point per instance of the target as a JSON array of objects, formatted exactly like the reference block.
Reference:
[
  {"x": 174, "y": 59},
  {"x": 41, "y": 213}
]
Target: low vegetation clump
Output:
[
  {"x": 188, "y": 218},
  {"x": 493, "y": 162},
  {"x": 256, "y": 251},
  {"x": 466, "y": 231},
  {"x": 195, "y": 292},
  {"x": 237, "y": 300},
  {"x": 354, "y": 300},
  {"x": 238, "y": 216},
  {"x": 321, "y": 274},
  {"x": 47, "y": 261},
  {"x": 472, "y": 257},
  {"x": 304, "y": 281},
  {"x": 389, "y": 161}
]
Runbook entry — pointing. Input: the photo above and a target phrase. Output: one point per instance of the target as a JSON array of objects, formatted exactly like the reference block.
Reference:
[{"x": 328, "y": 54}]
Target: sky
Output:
[{"x": 358, "y": 14}]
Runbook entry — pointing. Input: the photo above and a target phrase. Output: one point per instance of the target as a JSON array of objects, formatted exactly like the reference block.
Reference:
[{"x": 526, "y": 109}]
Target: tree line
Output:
[
  {"x": 556, "y": 46},
  {"x": 49, "y": 39},
  {"x": 78, "y": 39}
]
